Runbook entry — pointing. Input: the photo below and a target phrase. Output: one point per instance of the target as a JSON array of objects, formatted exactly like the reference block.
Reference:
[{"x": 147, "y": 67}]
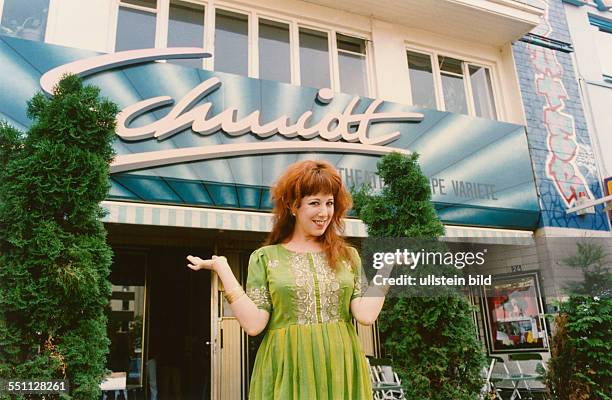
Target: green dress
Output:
[{"x": 311, "y": 349}]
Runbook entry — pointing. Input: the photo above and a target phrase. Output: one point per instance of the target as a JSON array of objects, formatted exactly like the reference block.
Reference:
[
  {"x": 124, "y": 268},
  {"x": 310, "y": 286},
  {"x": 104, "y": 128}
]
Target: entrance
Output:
[
  {"x": 179, "y": 325},
  {"x": 163, "y": 309}
]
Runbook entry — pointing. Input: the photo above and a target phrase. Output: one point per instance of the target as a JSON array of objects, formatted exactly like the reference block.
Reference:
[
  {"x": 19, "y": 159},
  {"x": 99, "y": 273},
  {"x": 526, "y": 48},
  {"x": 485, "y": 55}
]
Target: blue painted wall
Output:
[{"x": 560, "y": 148}]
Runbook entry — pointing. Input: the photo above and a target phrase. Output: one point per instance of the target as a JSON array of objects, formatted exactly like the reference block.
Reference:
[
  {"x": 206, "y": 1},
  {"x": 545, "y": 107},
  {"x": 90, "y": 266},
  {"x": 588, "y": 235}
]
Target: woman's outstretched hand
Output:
[{"x": 213, "y": 264}]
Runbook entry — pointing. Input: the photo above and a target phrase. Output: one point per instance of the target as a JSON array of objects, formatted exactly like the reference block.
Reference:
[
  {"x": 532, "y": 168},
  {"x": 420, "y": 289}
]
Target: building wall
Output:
[
  {"x": 593, "y": 52},
  {"x": 92, "y": 25},
  {"x": 561, "y": 149}
]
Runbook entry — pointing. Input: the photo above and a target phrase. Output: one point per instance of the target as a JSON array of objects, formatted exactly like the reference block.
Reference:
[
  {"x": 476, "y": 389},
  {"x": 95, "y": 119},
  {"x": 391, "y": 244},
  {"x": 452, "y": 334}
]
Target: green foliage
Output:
[
  {"x": 54, "y": 260},
  {"x": 580, "y": 366},
  {"x": 403, "y": 209},
  {"x": 432, "y": 339}
]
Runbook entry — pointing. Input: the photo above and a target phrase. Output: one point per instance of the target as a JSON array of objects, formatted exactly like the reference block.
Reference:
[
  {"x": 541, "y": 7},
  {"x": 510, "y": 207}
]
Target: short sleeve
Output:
[
  {"x": 257, "y": 282},
  {"x": 359, "y": 280}
]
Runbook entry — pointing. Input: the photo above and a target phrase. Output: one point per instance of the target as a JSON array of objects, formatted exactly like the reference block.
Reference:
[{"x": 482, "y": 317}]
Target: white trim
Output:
[
  {"x": 334, "y": 72},
  {"x": 52, "y": 20},
  {"x": 551, "y": 231},
  {"x": 209, "y": 33},
  {"x": 588, "y": 204},
  {"x": 252, "y": 45},
  {"x": 294, "y": 53},
  {"x": 149, "y": 159},
  {"x": 162, "y": 23},
  {"x": 140, "y": 8},
  {"x": 467, "y": 88}
]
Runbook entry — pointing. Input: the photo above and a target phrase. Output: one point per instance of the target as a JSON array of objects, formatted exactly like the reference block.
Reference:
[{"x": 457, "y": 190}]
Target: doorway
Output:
[{"x": 179, "y": 325}]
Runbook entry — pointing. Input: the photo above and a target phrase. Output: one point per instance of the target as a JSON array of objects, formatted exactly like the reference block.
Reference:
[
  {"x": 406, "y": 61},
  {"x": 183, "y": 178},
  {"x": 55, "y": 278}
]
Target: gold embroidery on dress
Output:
[
  {"x": 260, "y": 296},
  {"x": 360, "y": 284},
  {"x": 329, "y": 289},
  {"x": 305, "y": 299}
]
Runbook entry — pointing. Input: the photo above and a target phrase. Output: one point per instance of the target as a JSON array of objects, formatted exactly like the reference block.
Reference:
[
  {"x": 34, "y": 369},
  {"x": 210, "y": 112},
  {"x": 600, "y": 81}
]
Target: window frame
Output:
[
  {"x": 466, "y": 61},
  {"x": 254, "y": 14}
]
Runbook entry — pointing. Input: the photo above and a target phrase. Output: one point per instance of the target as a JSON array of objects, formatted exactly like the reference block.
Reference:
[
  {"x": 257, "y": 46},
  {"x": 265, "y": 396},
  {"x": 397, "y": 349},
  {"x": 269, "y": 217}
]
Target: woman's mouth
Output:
[{"x": 320, "y": 223}]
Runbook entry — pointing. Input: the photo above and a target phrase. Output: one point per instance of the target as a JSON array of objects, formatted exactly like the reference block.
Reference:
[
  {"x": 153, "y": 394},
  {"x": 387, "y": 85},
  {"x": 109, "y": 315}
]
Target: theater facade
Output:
[{"x": 217, "y": 98}]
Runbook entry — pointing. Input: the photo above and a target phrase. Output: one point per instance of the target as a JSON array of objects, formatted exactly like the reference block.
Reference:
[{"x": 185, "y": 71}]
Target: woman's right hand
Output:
[{"x": 213, "y": 264}]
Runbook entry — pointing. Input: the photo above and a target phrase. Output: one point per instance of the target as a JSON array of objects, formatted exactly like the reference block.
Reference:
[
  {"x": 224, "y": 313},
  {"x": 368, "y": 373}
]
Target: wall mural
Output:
[{"x": 560, "y": 148}]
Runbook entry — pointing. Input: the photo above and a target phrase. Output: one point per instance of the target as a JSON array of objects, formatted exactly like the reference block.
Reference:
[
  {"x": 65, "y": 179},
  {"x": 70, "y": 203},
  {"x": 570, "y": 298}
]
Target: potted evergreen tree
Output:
[
  {"x": 432, "y": 339},
  {"x": 54, "y": 260},
  {"x": 580, "y": 366}
]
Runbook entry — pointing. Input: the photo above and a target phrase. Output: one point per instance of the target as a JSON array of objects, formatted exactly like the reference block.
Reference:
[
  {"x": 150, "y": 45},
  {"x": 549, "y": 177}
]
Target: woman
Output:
[{"x": 305, "y": 287}]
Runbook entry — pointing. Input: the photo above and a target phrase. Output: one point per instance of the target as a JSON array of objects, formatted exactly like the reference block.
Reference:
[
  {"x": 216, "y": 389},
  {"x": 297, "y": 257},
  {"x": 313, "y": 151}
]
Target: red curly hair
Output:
[{"x": 307, "y": 178}]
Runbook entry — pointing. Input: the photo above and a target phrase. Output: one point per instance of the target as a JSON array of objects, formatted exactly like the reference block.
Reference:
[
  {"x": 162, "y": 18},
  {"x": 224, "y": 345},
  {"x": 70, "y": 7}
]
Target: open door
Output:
[
  {"x": 179, "y": 327},
  {"x": 215, "y": 342},
  {"x": 228, "y": 367}
]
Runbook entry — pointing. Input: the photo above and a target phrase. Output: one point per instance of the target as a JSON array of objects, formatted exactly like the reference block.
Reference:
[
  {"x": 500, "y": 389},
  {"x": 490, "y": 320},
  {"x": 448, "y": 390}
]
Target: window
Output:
[
  {"x": 421, "y": 80},
  {"x": 136, "y": 25},
  {"x": 455, "y": 85},
  {"x": 604, "y": 51},
  {"x": 247, "y": 43},
  {"x": 603, "y": 39},
  {"x": 24, "y": 19},
  {"x": 513, "y": 312},
  {"x": 314, "y": 58},
  {"x": 126, "y": 314},
  {"x": 352, "y": 64},
  {"x": 482, "y": 91},
  {"x": 231, "y": 42},
  {"x": 186, "y": 29},
  {"x": 274, "y": 51}
]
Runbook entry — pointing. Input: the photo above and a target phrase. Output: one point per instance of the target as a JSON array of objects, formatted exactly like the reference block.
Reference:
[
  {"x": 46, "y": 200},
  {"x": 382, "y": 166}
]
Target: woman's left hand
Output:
[{"x": 212, "y": 264}]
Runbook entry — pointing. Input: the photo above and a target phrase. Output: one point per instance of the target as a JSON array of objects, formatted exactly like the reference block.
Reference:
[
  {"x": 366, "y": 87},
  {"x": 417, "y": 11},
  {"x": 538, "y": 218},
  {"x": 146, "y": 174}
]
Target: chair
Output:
[
  {"x": 516, "y": 377},
  {"x": 386, "y": 384},
  {"x": 523, "y": 377},
  {"x": 491, "y": 379}
]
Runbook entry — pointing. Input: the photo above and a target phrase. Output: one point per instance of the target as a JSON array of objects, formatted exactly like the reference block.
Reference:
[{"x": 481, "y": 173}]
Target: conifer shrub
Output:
[
  {"x": 54, "y": 260},
  {"x": 431, "y": 339},
  {"x": 580, "y": 366}
]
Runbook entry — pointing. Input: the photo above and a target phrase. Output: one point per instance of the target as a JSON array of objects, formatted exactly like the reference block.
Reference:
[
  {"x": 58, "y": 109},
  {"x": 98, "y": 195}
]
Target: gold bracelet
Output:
[{"x": 233, "y": 294}]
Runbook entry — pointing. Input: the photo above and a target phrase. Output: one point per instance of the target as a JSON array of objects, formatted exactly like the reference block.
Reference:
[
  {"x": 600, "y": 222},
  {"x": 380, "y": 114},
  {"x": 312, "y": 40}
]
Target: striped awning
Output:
[{"x": 214, "y": 218}]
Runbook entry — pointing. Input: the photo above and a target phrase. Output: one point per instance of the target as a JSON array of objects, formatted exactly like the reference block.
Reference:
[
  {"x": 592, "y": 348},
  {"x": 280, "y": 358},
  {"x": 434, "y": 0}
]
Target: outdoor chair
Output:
[
  {"x": 386, "y": 384},
  {"x": 515, "y": 377},
  {"x": 491, "y": 379},
  {"x": 520, "y": 362}
]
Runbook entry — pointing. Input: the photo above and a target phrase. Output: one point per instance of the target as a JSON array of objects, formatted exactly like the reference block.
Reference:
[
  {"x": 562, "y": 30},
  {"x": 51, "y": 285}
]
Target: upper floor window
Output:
[
  {"x": 603, "y": 39},
  {"x": 231, "y": 42},
  {"x": 314, "y": 58},
  {"x": 604, "y": 51},
  {"x": 24, "y": 19},
  {"x": 136, "y": 25},
  {"x": 247, "y": 43},
  {"x": 451, "y": 84},
  {"x": 186, "y": 29},
  {"x": 274, "y": 51},
  {"x": 352, "y": 64}
]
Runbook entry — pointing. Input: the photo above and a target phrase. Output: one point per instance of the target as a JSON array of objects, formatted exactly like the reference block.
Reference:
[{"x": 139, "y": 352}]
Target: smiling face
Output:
[{"x": 314, "y": 215}]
